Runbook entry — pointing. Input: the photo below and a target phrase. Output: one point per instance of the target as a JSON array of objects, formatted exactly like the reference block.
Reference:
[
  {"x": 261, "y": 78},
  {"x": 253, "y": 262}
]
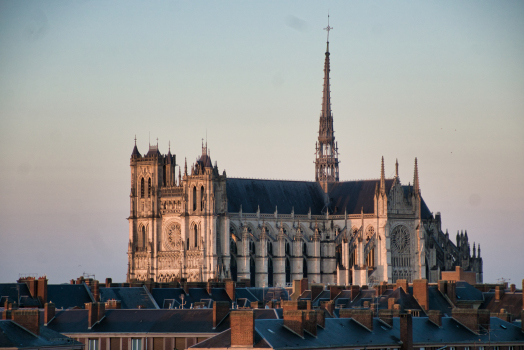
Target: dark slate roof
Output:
[
  {"x": 466, "y": 292},
  {"x": 452, "y": 332},
  {"x": 14, "y": 336},
  {"x": 130, "y": 297},
  {"x": 512, "y": 302},
  {"x": 241, "y": 293},
  {"x": 223, "y": 340},
  {"x": 165, "y": 296},
  {"x": 285, "y": 195},
  {"x": 343, "y": 333},
  {"x": 337, "y": 333},
  {"x": 352, "y": 196},
  {"x": 135, "y": 153},
  {"x": 9, "y": 291},
  {"x": 139, "y": 321},
  {"x": 162, "y": 294},
  {"x": 438, "y": 302},
  {"x": 407, "y": 301},
  {"x": 68, "y": 295}
]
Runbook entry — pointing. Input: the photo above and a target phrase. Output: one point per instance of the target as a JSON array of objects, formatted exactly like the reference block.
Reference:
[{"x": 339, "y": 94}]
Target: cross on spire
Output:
[{"x": 328, "y": 28}]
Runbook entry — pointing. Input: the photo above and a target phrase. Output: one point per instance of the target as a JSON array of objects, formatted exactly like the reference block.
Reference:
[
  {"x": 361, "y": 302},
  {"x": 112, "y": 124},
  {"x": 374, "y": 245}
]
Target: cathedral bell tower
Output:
[{"x": 326, "y": 163}]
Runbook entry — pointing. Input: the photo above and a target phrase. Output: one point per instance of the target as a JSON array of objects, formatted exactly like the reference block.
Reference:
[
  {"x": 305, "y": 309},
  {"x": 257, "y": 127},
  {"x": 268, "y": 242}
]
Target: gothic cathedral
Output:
[{"x": 202, "y": 224}]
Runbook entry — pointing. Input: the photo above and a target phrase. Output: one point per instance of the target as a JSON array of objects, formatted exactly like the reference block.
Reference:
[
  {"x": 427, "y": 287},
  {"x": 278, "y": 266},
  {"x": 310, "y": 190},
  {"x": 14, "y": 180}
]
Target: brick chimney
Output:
[
  {"x": 512, "y": 288},
  {"x": 49, "y": 312},
  {"x": 473, "y": 319},
  {"x": 304, "y": 285},
  {"x": 452, "y": 291},
  {"x": 220, "y": 311},
  {"x": 386, "y": 316},
  {"x": 31, "y": 284},
  {"x": 364, "y": 317},
  {"x": 242, "y": 328},
  {"x": 329, "y": 306},
  {"x": 109, "y": 280},
  {"x": 499, "y": 293},
  {"x": 420, "y": 292},
  {"x": 42, "y": 289},
  {"x": 294, "y": 305},
  {"x": 406, "y": 332},
  {"x": 316, "y": 290},
  {"x": 230, "y": 289},
  {"x": 95, "y": 289},
  {"x": 310, "y": 322},
  {"x": 355, "y": 290},
  {"x": 503, "y": 315},
  {"x": 293, "y": 320},
  {"x": 321, "y": 318},
  {"x": 334, "y": 291},
  {"x": 391, "y": 302},
  {"x": 403, "y": 284},
  {"x": 382, "y": 288},
  {"x": 113, "y": 304},
  {"x": 29, "y": 319},
  {"x": 435, "y": 316},
  {"x": 95, "y": 312}
]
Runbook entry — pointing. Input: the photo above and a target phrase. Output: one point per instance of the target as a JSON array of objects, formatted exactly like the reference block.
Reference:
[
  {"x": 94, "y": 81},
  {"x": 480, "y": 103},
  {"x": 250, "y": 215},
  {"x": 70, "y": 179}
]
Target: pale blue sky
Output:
[{"x": 439, "y": 80}]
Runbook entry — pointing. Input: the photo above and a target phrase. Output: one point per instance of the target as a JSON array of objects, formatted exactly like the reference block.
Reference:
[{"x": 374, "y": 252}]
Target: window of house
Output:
[
  {"x": 136, "y": 344},
  {"x": 92, "y": 344}
]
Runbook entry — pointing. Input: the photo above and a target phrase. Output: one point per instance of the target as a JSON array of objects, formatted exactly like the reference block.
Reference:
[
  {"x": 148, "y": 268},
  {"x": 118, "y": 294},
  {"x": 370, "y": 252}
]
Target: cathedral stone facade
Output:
[{"x": 203, "y": 224}]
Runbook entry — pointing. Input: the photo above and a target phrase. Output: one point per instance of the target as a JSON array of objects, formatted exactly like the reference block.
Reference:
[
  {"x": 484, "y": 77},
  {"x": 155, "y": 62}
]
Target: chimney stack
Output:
[
  {"x": 220, "y": 311},
  {"x": 29, "y": 319},
  {"x": 49, "y": 312},
  {"x": 386, "y": 316},
  {"x": 473, "y": 319},
  {"x": 499, "y": 292},
  {"x": 108, "y": 282},
  {"x": 230, "y": 289},
  {"x": 334, "y": 291},
  {"x": 420, "y": 293},
  {"x": 403, "y": 284},
  {"x": 406, "y": 332},
  {"x": 435, "y": 316},
  {"x": 113, "y": 304},
  {"x": 293, "y": 320},
  {"x": 242, "y": 328},
  {"x": 96, "y": 312}
]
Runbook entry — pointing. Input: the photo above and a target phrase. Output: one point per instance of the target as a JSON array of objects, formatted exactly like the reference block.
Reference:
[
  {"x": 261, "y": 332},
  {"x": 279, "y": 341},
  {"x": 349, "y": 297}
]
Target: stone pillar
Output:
[
  {"x": 313, "y": 261},
  {"x": 279, "y": 260},
  {"x": 297, "y": 262},
  {"x": 261, "y": 263},
  {"x": 243, "y": 256}
]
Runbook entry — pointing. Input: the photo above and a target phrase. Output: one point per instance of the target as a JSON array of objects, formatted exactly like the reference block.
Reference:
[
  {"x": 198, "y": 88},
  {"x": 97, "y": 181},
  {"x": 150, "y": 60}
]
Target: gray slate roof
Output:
[
  {"x": 68, "y": 295},
  {"x": 131, "y": 297},
  {"x": 347, "y": 196},
  {"x": 14, "y": 336}
]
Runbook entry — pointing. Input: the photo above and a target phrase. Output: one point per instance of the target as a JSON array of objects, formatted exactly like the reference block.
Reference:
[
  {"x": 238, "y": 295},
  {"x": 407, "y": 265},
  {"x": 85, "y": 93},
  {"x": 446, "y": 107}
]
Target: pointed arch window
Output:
[
  {"x": 142, "y": 188},
  {"x": 194, "y": 199},
  {"x": 149, "y": 187},
  {"x": 196, "y": 236},
  {"x": 202, "y": 198}
]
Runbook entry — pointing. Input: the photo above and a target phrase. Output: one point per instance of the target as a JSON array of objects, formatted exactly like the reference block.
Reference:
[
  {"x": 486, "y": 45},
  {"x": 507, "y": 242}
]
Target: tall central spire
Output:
[{"x": 326, "y": 163}]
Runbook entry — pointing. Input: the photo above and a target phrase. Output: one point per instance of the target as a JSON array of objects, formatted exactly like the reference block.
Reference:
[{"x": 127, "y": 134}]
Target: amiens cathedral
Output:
[{"x": 200, "y": 224}]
